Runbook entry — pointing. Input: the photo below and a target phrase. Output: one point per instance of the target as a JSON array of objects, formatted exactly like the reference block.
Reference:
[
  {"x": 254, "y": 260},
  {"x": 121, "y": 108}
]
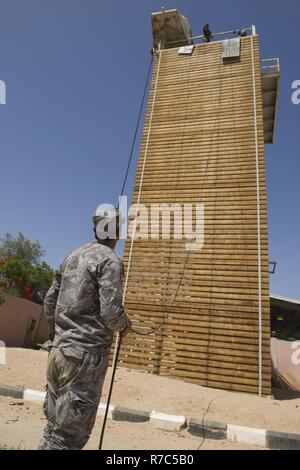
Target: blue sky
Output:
[{"x": 75, "y": 71}]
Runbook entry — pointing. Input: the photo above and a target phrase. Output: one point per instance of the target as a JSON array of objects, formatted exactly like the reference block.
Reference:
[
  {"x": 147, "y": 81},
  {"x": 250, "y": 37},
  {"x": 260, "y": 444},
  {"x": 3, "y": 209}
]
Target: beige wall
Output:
[{"x": 16, "y": 317}]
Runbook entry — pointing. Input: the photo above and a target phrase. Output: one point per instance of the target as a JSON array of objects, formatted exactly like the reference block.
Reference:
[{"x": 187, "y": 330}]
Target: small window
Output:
[
  {"x": 231, "y": 48},
  {"x": 186, "y": 50}
]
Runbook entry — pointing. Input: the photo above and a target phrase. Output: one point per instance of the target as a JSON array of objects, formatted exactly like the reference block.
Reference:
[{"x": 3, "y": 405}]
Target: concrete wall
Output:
[{"x": 22, "y": 323}]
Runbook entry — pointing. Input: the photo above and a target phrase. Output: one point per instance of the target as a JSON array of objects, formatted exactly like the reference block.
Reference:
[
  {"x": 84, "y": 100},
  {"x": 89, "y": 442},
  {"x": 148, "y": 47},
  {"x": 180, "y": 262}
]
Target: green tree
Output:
[
  {"x": 26, "y": 270},
  {"x": 21, "y": 248},
  {"x": 41, "y": 278},
  {"x": 15, "y": 275}
]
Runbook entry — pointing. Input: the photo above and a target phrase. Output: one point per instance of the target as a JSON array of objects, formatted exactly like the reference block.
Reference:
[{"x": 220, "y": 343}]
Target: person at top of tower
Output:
[
  {"x": 241, "y": 32},
  {"x": 207, "y": 33}
]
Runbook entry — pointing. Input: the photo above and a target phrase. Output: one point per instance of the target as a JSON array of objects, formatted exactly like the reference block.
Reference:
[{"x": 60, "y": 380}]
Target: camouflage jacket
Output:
[{"x": 84, "y": 304}]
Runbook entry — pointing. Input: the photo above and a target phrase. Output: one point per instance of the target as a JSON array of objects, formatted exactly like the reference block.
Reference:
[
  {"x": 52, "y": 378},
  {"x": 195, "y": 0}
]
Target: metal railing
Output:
[
  {"x": 224, "y": 33},
  {"x": 270, "y": 65},
  {"x": 251, "y": 30}
]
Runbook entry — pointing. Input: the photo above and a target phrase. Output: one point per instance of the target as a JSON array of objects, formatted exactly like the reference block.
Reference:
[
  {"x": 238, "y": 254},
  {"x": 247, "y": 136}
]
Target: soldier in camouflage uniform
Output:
[{"x": 83, "y": 309}]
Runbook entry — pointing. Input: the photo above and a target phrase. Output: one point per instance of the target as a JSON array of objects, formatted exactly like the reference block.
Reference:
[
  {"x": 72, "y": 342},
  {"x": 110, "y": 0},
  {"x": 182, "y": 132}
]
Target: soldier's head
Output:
[{"x": 106, "y": 225}]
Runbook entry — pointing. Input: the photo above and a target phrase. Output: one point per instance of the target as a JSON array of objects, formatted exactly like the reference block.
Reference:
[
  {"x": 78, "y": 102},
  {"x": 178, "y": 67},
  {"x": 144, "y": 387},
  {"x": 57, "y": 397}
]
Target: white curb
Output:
[
  {"x": 36, "y": 396},
  {"x": 33, "y": 395},
  {"x": 102, "y": 408},
  {"x": 240, "y": 434},
  {"x": 244, "y": 435},
  {"x": 167, "y": 422}
]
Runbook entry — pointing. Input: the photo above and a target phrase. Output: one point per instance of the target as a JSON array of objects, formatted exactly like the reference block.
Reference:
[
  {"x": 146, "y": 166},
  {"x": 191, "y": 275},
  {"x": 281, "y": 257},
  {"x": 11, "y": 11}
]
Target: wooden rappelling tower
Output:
[{"x": 212, "y": 108}]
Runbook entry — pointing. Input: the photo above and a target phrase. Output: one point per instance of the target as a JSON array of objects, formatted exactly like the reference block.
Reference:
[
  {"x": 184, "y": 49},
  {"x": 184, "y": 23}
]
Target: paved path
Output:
[
  {"x": 21, "y": 425},
  {"x": 133, "y": 389}
]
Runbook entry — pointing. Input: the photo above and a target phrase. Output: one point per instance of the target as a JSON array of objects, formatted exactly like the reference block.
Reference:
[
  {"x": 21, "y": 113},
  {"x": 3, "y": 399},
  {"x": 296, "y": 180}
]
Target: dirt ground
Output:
[
  {"x": 147, "y": 392},
  {"x": 21, "y": 426}
]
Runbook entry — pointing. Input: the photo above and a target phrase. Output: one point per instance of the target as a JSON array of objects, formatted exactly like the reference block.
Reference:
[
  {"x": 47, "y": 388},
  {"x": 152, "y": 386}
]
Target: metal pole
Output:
[{"x": 114, "y": 368}]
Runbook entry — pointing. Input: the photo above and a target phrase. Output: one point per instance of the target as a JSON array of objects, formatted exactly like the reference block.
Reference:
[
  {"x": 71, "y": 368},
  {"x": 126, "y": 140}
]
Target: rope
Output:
[
  {"x": 137, "y": 128},
  {"x": 153, "y": 330},
  {"x": 258, "y": 228},
  {"x": 119, "y": 336},
  {"x": 142, "y": 175}
]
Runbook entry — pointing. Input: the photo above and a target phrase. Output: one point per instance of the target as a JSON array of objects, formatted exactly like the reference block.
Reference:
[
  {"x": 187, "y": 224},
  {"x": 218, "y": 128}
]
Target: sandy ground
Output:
[
  {"x": 21, "y": 425},
  {"x": 144, "y": 391}
]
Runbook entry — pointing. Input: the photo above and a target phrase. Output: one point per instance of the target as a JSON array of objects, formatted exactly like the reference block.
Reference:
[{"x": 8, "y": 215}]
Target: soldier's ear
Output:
[{"x": 95, "y": 233}]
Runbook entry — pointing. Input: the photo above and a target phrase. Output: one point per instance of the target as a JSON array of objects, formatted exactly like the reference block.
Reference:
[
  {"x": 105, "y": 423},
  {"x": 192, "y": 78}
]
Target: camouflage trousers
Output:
[{"x": 75, "y": 382}]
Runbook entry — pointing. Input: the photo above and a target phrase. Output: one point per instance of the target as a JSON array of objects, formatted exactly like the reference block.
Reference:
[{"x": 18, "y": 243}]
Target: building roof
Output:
[
  {"x": 270, "y": 79},
  {"x": 285, "y": 303}
]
